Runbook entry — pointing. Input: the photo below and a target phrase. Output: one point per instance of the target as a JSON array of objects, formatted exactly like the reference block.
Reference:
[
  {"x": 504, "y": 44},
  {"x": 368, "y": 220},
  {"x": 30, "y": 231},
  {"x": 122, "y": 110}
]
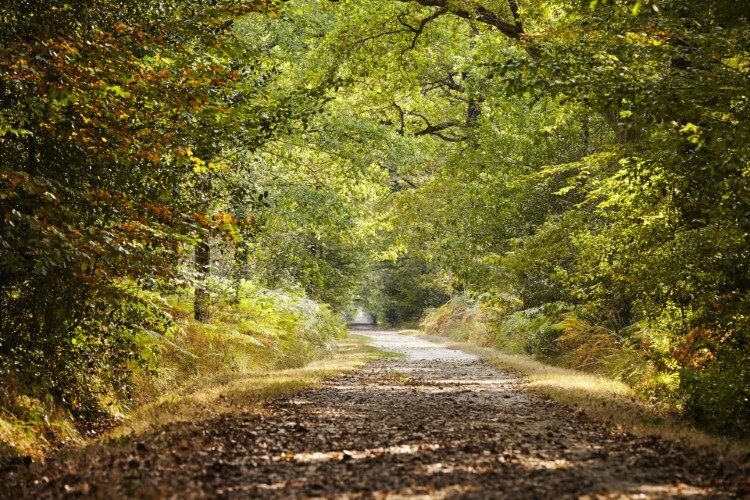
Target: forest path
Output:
[{"x": 436, "y": 424}]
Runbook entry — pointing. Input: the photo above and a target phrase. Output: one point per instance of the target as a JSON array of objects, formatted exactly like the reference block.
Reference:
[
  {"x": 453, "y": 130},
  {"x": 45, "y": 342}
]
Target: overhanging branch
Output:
[
  {"x": 477, "y": 12},
  {"x": 437, "y": 130},
  {"x": 420, "y": 28}
]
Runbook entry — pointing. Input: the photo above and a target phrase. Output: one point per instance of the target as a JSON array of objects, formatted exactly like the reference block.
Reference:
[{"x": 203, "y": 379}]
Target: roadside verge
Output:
[{"x": 600, "y": 399}]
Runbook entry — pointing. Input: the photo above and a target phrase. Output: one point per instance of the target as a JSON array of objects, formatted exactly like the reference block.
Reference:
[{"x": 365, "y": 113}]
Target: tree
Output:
[
  {"x": 104, "y": 114},
  {"x": 630, "y": 155}
]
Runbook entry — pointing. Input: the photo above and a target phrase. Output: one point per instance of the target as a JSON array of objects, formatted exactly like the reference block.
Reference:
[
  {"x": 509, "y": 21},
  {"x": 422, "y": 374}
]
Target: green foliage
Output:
[
  {"x": 113, "y": 123},
  {"x": 398, "y": 292},
  {"x": 591, "y": 154},
  {"x": 461, "y": 319},
  {"x": 313, "y": 238},
  {"x": 718, "y": 396},
  {"x": 251, "y": 330},
  {"x": 533, "y": 331},
  {"x": 53, "y": 354},
  {"x": 604, "y": 166}
]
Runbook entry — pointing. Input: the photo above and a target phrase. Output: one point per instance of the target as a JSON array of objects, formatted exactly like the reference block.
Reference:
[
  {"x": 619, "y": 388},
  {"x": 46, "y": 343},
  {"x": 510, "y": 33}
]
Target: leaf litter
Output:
[{"x": 426, "y": 426}]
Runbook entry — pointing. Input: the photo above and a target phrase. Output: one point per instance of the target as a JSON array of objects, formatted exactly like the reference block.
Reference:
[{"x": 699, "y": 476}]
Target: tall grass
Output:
[
  {"x": 552, "y": 333},
  {"x": 253, "y": 335},
  {"x": 258, "y": 330}
]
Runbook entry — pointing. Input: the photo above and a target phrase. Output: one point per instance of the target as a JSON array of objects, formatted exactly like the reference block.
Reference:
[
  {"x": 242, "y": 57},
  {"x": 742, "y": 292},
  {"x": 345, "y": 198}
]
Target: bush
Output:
[
  {"x": 595, "y": 348},
  {"x": 716, "y": 387},
  {"x": 719, "y": 400},
  {"x": 532, "y": 331},
  {"x": 552, "y": 333},
  {"x": 73, "y": 345},
  {"x": 460, "y": 318}
]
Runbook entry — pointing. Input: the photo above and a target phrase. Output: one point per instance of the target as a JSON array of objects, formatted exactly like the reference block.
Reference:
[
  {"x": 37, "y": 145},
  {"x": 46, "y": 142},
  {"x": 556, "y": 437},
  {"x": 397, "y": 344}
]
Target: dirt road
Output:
[{"x": 436, "y": 424}]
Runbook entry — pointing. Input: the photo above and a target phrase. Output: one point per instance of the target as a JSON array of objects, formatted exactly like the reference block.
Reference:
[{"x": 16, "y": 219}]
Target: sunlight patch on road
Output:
[
  {"x": 414, "y": 348},
  {"x": 345, "y": 455}
]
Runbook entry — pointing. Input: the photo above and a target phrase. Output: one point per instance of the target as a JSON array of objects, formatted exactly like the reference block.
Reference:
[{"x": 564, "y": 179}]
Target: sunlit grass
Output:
[
  {"x": 32, "y": 434},
  {"x": 226, "y": 393}
]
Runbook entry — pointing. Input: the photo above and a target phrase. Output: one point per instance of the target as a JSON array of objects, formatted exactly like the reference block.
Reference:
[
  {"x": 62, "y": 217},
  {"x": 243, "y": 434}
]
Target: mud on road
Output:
[{"x": 435, "y": 424}]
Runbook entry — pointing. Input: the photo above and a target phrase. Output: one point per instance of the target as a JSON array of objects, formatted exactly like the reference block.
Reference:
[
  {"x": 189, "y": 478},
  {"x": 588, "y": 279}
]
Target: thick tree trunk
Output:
[{"x": 202, "y": 267}]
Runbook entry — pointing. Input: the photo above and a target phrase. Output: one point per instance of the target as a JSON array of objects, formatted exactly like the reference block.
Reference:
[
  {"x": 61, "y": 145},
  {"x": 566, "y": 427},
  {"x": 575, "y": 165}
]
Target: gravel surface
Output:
[
  {"x": 436, "y": 424},
  {"x": 414, "y": 348}
]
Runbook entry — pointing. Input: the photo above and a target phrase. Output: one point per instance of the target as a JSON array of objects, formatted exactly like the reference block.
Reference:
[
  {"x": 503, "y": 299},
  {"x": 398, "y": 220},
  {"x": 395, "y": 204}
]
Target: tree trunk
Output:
[{"x": 203, "y": 268}]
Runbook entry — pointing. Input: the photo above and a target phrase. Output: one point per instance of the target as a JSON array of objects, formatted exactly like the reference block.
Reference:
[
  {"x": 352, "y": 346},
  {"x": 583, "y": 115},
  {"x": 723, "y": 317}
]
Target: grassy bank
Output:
[
  {"x": 601, "y": 399},
  {"x": 233, "y": 392},
  {"x": 224, "y": 392},
  {"x": 259, "y": 345}
]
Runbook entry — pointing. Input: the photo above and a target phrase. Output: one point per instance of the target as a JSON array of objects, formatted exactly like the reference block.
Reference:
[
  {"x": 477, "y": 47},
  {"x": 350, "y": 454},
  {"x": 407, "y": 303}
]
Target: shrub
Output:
[
  {"x": 74, "y": 345},
  {"x": 719, "y": 399},
  {"x": 462, "y": 318},
  {"x": 715, "y": 380},
  {"x": 553, "y": 333}
]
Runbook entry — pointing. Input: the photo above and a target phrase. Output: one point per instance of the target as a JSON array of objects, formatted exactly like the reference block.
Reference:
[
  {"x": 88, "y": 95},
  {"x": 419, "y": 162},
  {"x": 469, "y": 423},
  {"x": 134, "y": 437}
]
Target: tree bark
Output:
[
  {"x": 203, "y": 268},
  {"x": 477, "y": 12}
]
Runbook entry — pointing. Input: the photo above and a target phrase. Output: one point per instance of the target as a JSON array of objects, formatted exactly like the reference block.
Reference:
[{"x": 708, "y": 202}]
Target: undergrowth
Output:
[
  {"x": 231, "y": 392},
  {"x": 259, "y": 330},
  {"x": 557, "y": 335},
  {"x": 269, "y": 337}
]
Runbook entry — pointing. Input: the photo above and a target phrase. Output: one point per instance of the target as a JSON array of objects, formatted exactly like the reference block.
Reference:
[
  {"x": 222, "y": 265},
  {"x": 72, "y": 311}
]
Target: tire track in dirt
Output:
[{"x": 436, "y": 424}]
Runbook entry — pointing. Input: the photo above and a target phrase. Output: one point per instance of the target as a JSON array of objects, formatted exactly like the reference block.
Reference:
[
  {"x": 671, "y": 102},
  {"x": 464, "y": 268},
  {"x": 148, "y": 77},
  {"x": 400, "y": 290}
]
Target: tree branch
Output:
[
  {"x": 480, "y": 13},
  {"x": 362, "y": 41},
  {"x": 401, "y": 118},
  {"x": 395, "y": 172},
  {"x": 419, "y": 29},
  {"x": 436, "y": 130},
  {"x": 513, "y": 4},
  {"x": 448, "y": 82},
  {"x": 432, "y": 129}
]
